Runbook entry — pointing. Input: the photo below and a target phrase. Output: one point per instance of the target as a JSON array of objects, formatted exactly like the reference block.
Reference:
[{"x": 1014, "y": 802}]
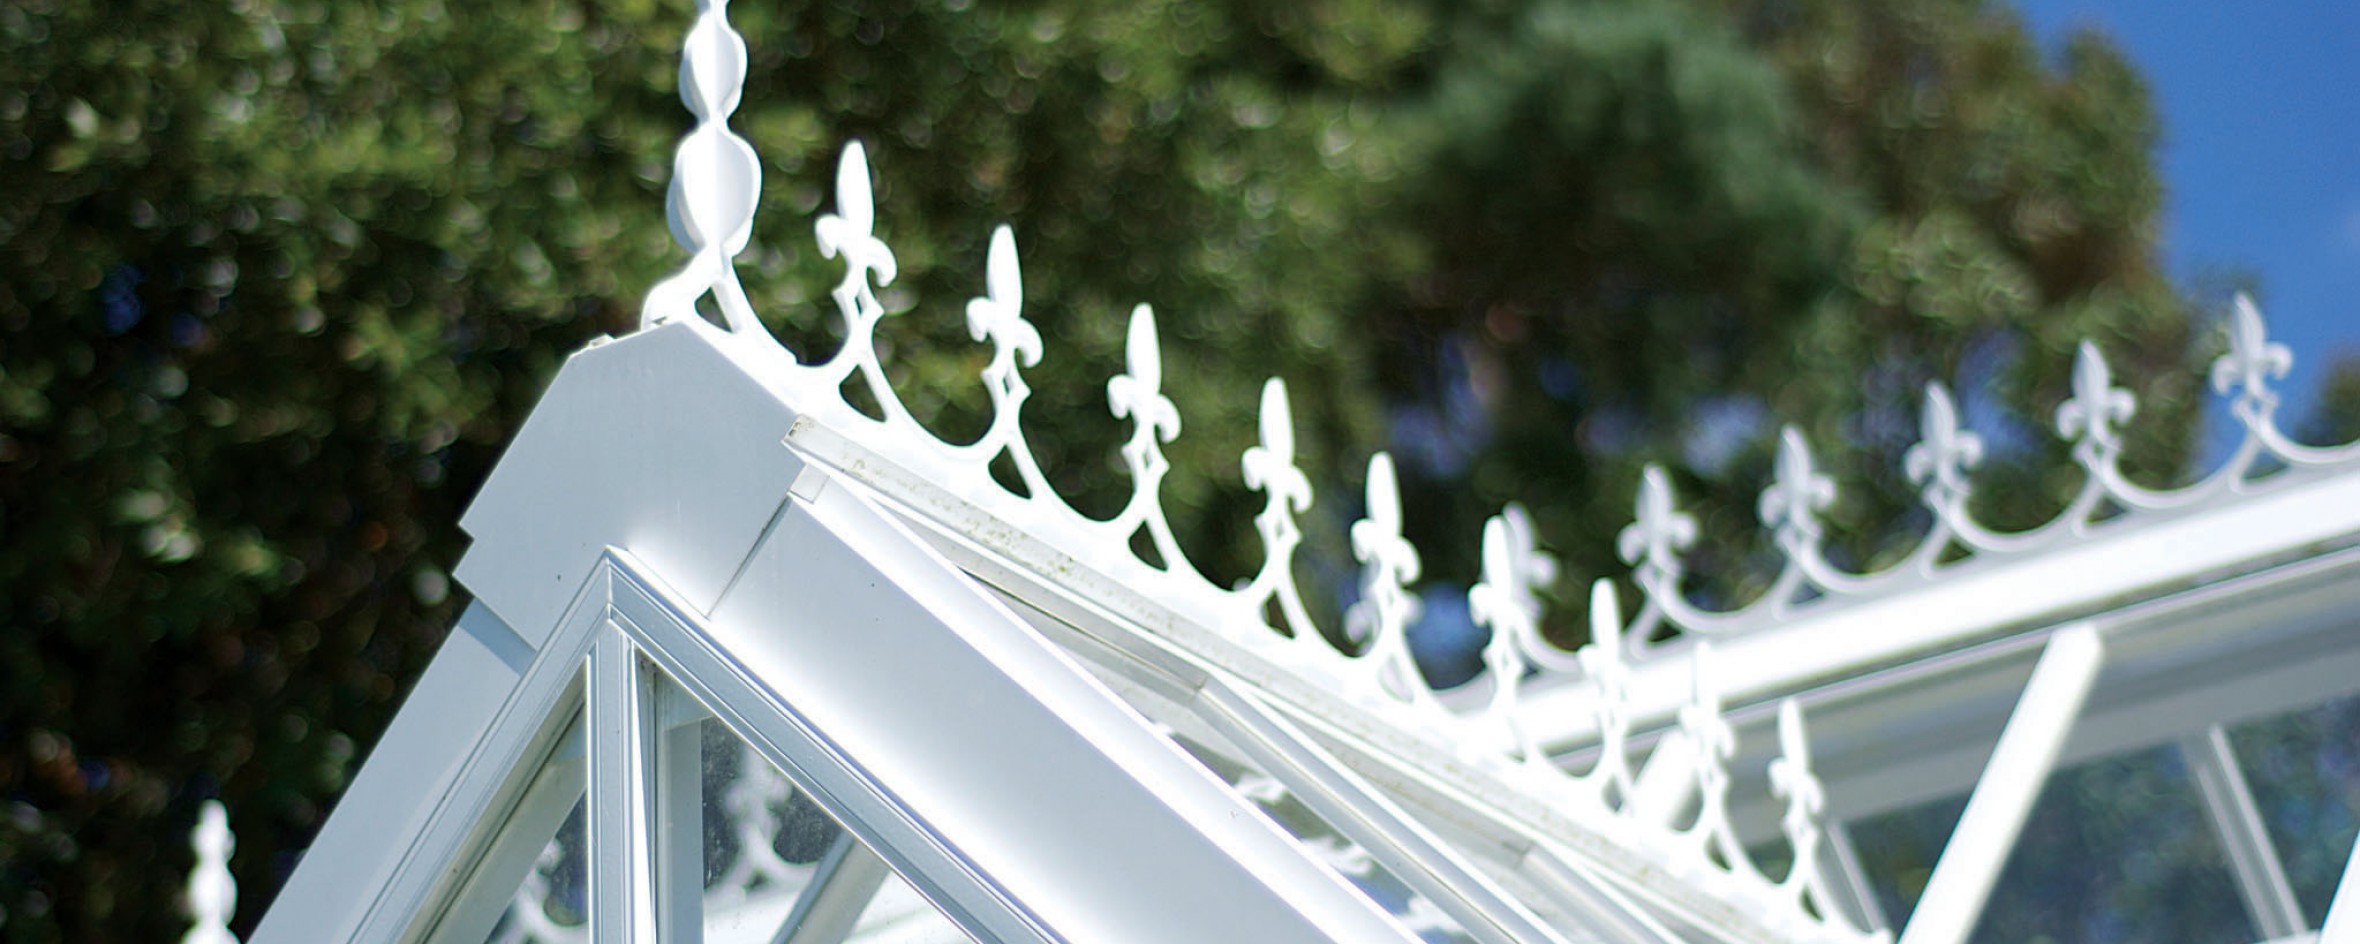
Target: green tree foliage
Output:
[
  {"x": 1665, "y": 229},
  {"x": 279, "y": 277}
]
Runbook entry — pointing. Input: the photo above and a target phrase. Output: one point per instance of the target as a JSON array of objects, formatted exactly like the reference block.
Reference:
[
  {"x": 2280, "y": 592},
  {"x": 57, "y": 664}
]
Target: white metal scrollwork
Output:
[{"x": 713, "y": 198}]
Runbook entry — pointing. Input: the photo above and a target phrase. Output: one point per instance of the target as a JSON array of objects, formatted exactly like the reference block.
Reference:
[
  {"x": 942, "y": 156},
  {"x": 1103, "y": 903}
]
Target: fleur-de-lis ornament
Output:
[
  {"x": 1607, "y": 667},
  {"x": 1792, "y": 780},
  {"x": 1537, "y": 569},
  {"x": 998, "y": 317},
  {"x": 1497, "y": 604},
  {"x": 1939, "y": 462},
  {"x": 851, "y": 230},
  {"x": 1386, "y": 607},
  {"x": 1138, "y": 395},
  {"x": 1270, "y": 469},
  {"x": 2090, "y": 418},
  {"x": 1797, "y": 493},
  {"x": 1709, "y": 735},
  {"x": 2252, "y": 362},
  {"x": 1653, "y": 541}
]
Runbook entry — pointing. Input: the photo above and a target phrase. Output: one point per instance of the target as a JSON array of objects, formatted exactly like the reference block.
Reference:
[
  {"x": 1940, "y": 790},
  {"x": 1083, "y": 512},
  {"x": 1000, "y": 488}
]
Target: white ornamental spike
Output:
[
  {"x": 716, "y": 179},
  {"x": 850, "y": 232},
  {"x": 2252, "y": 362},
  {"x": 1792, "y": 780},
  {"x": 1270, "y": 469},
  {"x": 1658, "y": 532},
  {"x": 1138, "y": 395},
  {"x": 1605, "y": 662},
  {"x": 2092, "y": 417},
  {"x": 1386, "y": 606},
  {"x": 1493, "y": 604},
  {"x": 1939, "y": 462},
  {"x": 1536, "y": 570},
  {"x": 212, "y": 891},
  {"x": 998, "y": 317},
  {"x": 1710, "y": 736},
  {"x": 1796, "y": 496}
]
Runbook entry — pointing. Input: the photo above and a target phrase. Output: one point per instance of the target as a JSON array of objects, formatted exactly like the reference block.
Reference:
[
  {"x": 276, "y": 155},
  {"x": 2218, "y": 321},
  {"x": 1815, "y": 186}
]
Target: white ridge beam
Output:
[
  {"x": 2011, "y": 783},
  {"x": 1018, "y": 768}
]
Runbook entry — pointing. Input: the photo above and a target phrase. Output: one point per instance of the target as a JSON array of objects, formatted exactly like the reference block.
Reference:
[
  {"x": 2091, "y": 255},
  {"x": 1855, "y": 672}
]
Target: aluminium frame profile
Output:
[
  {"x": 623, "y": 605},
  {"x": 1119, "y": 628}
]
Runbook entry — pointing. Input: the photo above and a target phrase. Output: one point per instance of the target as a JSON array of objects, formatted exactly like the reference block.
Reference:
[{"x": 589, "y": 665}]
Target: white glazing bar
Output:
[
  {"x": 2343, "y": 914},
  {"x": 1358, "y": 812},
  {"x": 1849, "y": 879},
  {"x": 392, "y": 839},
  {"x": 2261, "y": 879},
  {"x": 490, "y": 889},
  {"x": 679, "y": 833},
  {"x": 1088, "y": 827},
  {"x": 1666, "y": 787},
  {"x": 1615, "y": 917},
  {"x": 2011, "y": 782},
  {"x": 622, "y": 738},
  {"x": 847, "y": 878}
]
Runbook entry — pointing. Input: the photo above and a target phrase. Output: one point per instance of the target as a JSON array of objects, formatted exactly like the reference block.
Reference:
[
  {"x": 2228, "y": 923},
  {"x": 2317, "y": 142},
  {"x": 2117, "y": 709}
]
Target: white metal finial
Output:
[
  {"x": 716, "y": 179},
  {"x": 212, "y": 891},
  {"x": 1605, "y": 664},
  {"x": 1660, "y": 531},
  {"x": 1494, "y": 604},
  {"x": 2092, "y": 417},
  {"x": 851, "y": 230},
  {"x": 1138, "y": 395},
  {"x": 1796, "y": 496},
  {"x": 1942, "y": 456},
  {"x": 2252, "y": 362},
  {"x": 1270, "y": 469},
  {"x": 1711, "y": 737},
  {"x": 1386, "y": 606},
  {"x": 1792, "y": 780}
]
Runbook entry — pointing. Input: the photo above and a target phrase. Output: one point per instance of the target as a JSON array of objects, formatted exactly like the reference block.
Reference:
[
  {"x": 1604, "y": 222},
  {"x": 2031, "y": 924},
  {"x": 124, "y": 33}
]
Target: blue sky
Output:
[{"x": 2261, "y": 150}]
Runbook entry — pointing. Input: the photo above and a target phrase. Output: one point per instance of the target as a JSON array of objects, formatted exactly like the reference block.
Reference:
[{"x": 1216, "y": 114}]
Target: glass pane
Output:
[
  {"x": 2118, "y": 849},
  {"x": 2305, "y": 775},
  {"x": 552, "y": 904},
  {"x": 1330, "y": 847},
  {"x": 772, "y": 856},
  {"x": 763, "y": 839},
  {"x": 899, "y": 915}
]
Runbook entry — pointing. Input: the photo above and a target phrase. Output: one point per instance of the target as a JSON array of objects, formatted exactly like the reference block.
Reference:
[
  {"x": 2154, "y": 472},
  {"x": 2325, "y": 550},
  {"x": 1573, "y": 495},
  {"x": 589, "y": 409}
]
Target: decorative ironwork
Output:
[
  {"x": 2092, "y": 419},
  {"x": 1386, "y": 606},
  {"x": 712, "y": 201}
]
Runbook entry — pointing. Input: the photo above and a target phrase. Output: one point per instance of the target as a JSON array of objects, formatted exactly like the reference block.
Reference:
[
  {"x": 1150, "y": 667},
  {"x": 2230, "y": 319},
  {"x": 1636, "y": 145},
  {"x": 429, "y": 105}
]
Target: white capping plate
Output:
[{"x": 663, "y": 443}]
